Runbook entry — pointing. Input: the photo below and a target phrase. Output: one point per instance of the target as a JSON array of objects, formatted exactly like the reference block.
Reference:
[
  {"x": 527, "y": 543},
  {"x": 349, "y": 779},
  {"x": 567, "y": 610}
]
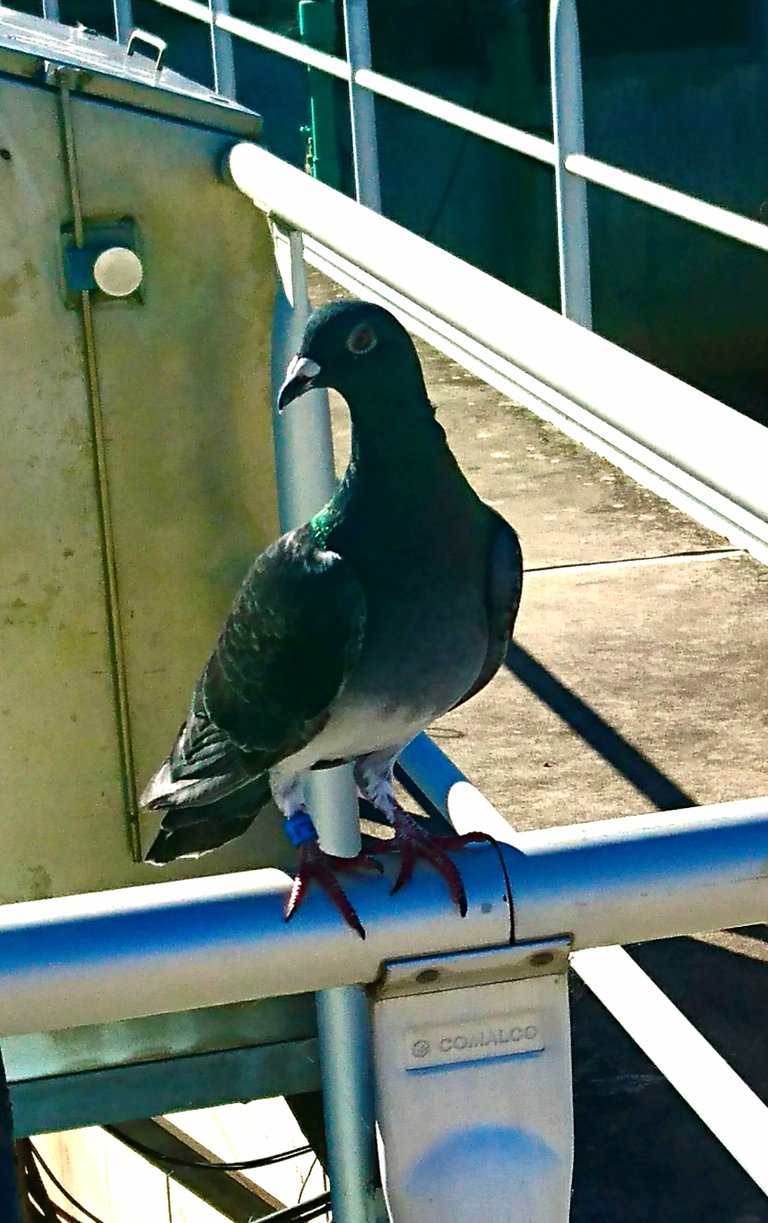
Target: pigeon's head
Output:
[{"x": 359, "y": 349}]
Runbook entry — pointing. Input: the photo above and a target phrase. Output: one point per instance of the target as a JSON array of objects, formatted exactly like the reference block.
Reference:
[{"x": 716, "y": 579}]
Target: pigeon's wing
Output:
[
  {"x": 504, "y": 584},
  {"x": 294, "y": 632}
]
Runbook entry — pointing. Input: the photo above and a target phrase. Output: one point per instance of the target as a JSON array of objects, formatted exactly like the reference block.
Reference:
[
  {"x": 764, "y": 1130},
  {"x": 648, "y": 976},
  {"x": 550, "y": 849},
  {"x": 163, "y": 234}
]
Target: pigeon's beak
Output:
[{"x": 300, "y": 376}]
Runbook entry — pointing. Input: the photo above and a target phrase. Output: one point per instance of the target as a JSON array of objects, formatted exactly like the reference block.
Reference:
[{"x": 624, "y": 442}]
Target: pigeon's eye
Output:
[{"x": 361, "y": 340}]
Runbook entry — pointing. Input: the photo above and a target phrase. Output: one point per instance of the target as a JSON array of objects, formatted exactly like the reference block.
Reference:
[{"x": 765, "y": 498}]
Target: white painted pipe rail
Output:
[
  {"x": 222, "y": 52},
  {"x": 715, "y": 455},
  {"x": 176, "y": 946},
  {"x": 667, "y": 199},
  {"x": 259, "y": 37},
  {"x": 725, "y": 1103},
  {"x": 123, "y": 15},
  {"x": 305, "y": 480},
  {"x": 661, "y": 887},
  {"x": 458, "y": 116},
  {"x": 362, "y": 105}
]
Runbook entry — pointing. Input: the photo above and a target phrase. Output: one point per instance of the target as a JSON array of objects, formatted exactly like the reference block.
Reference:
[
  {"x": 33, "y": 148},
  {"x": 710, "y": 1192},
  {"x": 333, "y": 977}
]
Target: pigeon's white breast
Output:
[
  {"x": 371, "y": 714},
  {"x": 358, "y": 726}
]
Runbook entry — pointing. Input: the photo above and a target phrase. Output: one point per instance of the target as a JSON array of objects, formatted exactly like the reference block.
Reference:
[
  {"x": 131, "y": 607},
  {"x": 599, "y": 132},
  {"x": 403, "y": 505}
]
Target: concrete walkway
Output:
[{"x": 638, "y": 681}]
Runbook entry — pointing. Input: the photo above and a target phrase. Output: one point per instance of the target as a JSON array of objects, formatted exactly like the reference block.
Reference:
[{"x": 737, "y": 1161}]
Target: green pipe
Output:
[{"x": 317, "y": 26}]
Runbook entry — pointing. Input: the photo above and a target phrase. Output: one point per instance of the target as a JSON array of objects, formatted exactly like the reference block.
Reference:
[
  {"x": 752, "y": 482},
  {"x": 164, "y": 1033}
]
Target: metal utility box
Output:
[{"x": 136, "y": 472}]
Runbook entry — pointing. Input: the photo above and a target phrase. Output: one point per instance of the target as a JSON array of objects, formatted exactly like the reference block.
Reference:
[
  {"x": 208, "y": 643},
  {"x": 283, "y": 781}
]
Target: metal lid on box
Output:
[{"x": 30, "y": 47}]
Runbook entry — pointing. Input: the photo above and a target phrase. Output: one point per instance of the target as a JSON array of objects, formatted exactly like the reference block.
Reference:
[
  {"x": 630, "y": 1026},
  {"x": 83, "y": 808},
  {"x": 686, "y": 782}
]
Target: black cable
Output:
[
  {"x": 305, "y": 1182},
  {"x": 303, "y": 1213},
  {"x": 37, "y": 1157},
  {"x": 38, "y": 1198},
  {"x": 37, "y": 1195},
  {"x": 240, "y": 1165},
  {"x": 451, "y": 180}
]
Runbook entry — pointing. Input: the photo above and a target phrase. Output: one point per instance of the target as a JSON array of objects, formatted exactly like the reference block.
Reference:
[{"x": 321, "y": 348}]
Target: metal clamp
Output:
[{"x": 108, "y": 261}]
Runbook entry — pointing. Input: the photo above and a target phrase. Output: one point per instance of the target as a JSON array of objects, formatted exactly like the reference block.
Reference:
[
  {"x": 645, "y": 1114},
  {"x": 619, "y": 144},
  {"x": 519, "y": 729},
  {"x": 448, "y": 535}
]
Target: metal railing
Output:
[
  {"x": 175, "y": 946},
  {"x": 710, "y": 466},
  {"x": 708, "y": 453},
  {"x": 499, "y": 322},
  {"x": 565, "y": 153},
  {"x": 425, "y": 283},
  {"x": 135, "y": 951}
]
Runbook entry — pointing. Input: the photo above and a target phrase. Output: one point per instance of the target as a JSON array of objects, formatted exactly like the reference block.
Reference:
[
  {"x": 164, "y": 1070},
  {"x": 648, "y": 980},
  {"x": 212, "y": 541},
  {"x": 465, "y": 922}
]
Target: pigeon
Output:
[{"x": 352, "y": 633}]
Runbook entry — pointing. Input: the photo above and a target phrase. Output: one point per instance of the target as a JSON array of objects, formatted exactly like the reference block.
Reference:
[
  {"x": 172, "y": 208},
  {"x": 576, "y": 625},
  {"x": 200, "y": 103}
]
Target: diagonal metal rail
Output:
[
  {"x": 701, "y": 454},
  {"x": 576, "y": 164}
]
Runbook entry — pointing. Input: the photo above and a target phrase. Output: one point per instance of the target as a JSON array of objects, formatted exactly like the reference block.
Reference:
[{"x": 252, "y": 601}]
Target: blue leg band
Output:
[{"x": 299, "y": 828}]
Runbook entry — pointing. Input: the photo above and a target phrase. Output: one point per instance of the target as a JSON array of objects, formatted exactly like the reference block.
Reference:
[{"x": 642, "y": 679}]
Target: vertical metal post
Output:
[
  {"x": 303, "y": 444},
  {"x": 362, "y": 106},
  {"x": 305, "y": 480},
  {"x": 123, "y": 10},
  {"x": 317, "y": 26},
  {"x": 222, "y": 53},
  {"x": 571, "y": 191}
]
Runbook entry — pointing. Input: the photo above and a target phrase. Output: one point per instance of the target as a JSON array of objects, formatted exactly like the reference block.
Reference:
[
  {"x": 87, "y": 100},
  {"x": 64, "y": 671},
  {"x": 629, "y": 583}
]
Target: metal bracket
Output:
[
  {"x": 473, "y": 1072},
  {"x": 108, "y": 263}
]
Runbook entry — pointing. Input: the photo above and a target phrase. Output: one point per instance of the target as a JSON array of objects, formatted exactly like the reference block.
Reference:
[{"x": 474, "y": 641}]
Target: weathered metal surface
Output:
[
  {"x": 121, "y": 1093},
  {"x": 112, "y": 72},
  {"x": 73, "y": 1051},
  {"x": 184, "y": 384}
]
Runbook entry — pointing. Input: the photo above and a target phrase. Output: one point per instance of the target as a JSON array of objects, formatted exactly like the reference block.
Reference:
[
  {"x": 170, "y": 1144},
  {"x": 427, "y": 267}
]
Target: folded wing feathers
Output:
[{"x": 294, "y": 628}]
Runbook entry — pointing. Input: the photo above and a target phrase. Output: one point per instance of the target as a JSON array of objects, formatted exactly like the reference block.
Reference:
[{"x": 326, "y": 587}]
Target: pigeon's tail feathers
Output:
[
  {"x": 188, "y": 831},
  {"x": 206, "y": 789}
]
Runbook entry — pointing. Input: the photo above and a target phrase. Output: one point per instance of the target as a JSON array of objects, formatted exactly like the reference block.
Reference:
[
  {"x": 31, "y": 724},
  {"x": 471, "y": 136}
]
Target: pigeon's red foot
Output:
[
  {"x": 412, "y": 843},
  {"x": 323, "y": 868}
]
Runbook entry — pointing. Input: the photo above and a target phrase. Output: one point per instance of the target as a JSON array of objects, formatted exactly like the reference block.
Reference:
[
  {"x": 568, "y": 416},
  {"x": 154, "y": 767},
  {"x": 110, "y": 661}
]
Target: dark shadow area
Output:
[
  {"x": 626, "y": 759},
  {"x": 436, "y": 822},
  {"x": 758, "y": 933},
  {"x": 724, "y": 993},
  {"x": 641, "y": 1153}
]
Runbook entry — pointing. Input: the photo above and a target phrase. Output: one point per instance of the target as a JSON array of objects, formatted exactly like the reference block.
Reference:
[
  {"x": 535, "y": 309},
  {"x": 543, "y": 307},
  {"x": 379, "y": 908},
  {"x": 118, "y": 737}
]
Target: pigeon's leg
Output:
[
  {"x": 314, "y": 863},
  {"x": 374, "y": 779}
]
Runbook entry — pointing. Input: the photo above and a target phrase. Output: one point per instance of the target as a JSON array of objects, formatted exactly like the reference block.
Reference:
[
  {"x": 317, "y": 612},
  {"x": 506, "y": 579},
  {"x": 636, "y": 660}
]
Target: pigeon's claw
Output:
[
  {"x": 323, "y": 868},
  {"x": 412, "y": 843}
]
